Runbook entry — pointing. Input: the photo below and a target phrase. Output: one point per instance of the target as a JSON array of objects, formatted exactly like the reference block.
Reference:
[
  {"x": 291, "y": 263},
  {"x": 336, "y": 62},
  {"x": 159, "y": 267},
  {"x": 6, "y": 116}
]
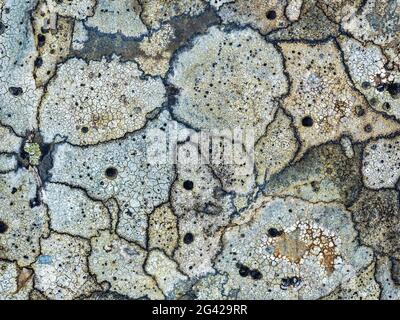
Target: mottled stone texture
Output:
[{"x": 199, "y": 149}]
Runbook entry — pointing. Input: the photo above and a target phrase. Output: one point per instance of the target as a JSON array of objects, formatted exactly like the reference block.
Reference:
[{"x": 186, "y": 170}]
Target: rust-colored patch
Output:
[
  {"x": 305, "y": 240},
  {"x": 291, "y": 246},
  {"x": 23, "y": 277}
]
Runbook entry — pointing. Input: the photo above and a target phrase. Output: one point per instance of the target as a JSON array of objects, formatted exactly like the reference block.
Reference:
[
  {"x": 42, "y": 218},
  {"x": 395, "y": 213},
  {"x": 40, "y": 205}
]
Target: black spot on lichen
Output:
[
  {"x": 271, "y": 15},
  {"x": 35, "y": 202},
  {"x": 368, "y": 128},
  {"x": 188, "y": 185},
  {"x": 359, "y": 111},
  {"x": 188, "y": 238},
  {"x": 366, "y": 85},
  {"x": 3, "y": 227},
  {"x": 272, "y": 232},
  {"x": 38, "y": 62},
  {"x": 307, "y": 121},
  {"x": 295, "y": 281},
  {"x": 285, "y": 283},
  {"x": 244, "y": 271},
  {"x": 41, "y": 40},
  {"x": 111, "y": 172},
  {"x": 84, "y": 129},
  {"x": 291, "y": 281},
  {"x": 386, "y": 106},
  {"x": 394, "y": 89},
  {"x": 255, "y": 274},
  {"x": 15, "y": 91},
  {"x": 381, "y": 87}
]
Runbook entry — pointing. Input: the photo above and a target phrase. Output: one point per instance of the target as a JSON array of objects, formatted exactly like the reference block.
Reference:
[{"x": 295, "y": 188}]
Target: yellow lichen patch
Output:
[
  {"x": 260, "y": 14},
  {"x": 276, "y": 148},
  {"x": 163, "y": 232},
  {"x": 339, "y": 10},
  {"x": 156, "y": 56},
  {"x": 156, "y": 12},
  {"x": 53, "y": 35}
]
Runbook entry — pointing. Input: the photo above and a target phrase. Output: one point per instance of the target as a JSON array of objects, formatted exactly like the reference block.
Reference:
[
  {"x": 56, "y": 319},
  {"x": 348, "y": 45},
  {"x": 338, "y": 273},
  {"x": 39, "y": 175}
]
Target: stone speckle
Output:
[{"x": 199, "y": 149}]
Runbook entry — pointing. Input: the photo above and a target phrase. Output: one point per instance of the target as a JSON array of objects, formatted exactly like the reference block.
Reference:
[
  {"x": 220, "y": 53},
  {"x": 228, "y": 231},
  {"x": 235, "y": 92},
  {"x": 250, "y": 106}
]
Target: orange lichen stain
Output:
[
  {"x": 290, "y": 246},
  {"x": 325, "y": 245},
  {"x": 23, "y": 277},
  {"x": 303, "y": 241}
]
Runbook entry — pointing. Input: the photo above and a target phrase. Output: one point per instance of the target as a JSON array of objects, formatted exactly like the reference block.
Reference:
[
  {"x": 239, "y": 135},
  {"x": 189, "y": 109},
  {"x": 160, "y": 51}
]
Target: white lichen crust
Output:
[
  {"x": 233, "y": 84},
  {"x": 98, "y": 101},
  {"x": 199, "y": 149},
  {"x": 19, "y": 95}
]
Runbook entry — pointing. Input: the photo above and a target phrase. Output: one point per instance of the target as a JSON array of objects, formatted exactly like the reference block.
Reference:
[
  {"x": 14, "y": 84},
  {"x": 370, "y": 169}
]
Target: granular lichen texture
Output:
[{"x": 199, "y": 149}]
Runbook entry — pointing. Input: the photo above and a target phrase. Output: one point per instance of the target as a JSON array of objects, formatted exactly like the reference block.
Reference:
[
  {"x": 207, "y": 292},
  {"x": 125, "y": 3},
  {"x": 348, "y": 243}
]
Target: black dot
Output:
[
  {"x": 35, "y": 202},
  {"x": 255, "y": 274},
  {"x": 366, "y": 85},
  {"x": 381, "y": 87},
  {"x": 295, "y": 281},
  {"x": 394, "y": 89},
  {"x": 271, "y": 15},
  {"x": 3, "y": 227},
  {"x": 274, "y": 232},
  {"x": 188, "y": 185},
  {"x": 244, "y": 271},
  {"x": 359, "y": 111},
  {"x": 285, "y": 283},
  {"x": 38, "y": 62},
  {"x": 111, "y": 172},
  {"x": 84, "y": 129},
  {"x": 307, "y": 121},
  {"x": 373, "y": 101},
  {"x": 41, "y": 40},
  {"x": 15, "y": 91},
  {"x": 368, "y": 128},
  {"x": 188, "y": 238}
]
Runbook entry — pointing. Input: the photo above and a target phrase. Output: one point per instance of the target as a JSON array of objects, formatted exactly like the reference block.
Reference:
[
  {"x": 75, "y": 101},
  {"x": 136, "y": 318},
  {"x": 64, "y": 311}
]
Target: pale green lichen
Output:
[{"x": 33, "y": 149}]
